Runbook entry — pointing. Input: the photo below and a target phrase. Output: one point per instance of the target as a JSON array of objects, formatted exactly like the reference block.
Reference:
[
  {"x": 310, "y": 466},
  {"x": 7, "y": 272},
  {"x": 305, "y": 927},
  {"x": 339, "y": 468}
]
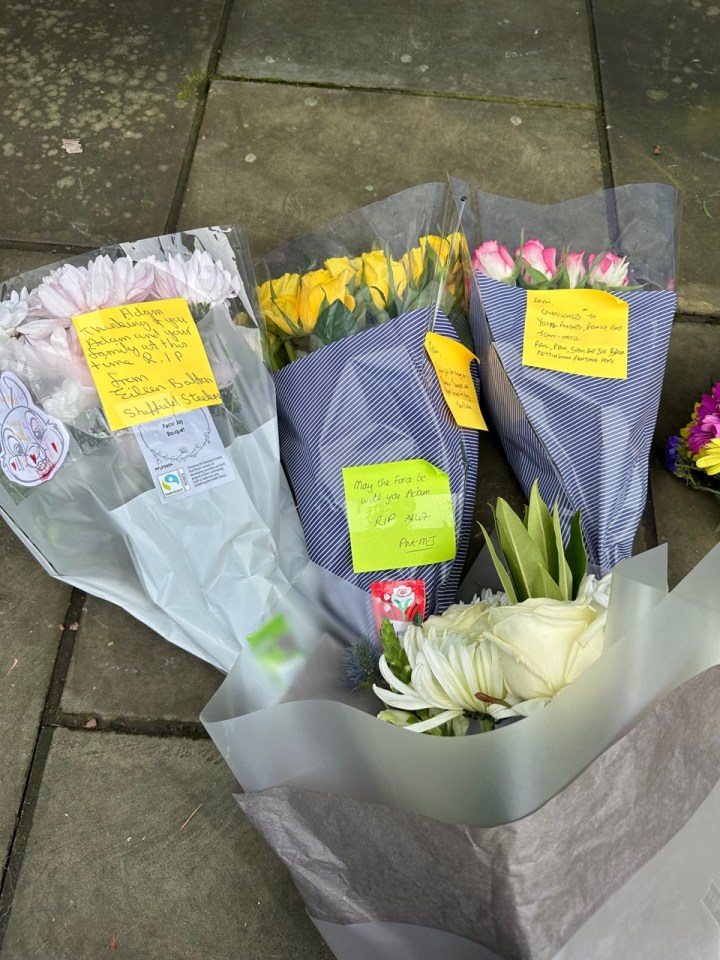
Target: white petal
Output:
[{"x": 437, "y": 721}]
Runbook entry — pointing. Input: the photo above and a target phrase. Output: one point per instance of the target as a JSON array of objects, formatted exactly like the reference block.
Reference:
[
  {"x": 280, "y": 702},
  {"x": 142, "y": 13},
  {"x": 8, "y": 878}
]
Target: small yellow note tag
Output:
[
  {"x": 577, "y": 331},
  {"x": 452, "y": 364},
  {"x": 147, "y": 361},
  {"x": 400, "y": 514}
]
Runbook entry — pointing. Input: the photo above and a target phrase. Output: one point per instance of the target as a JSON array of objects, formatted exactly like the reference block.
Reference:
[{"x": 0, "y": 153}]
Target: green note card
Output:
[{"x": 400, "y": 514}]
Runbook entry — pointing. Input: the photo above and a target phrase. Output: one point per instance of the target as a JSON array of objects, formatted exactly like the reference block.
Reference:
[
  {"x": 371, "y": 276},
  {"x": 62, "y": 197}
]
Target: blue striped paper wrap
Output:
[
  {"x": 585, "y": 439},
  {"x": 371, "y": 398}
]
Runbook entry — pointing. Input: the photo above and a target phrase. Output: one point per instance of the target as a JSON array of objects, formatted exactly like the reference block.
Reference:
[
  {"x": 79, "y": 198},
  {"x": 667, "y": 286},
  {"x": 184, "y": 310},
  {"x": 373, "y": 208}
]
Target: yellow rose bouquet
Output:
[
  {"x": 382, "y": 471},
  {"x": 306, "y": 311}
]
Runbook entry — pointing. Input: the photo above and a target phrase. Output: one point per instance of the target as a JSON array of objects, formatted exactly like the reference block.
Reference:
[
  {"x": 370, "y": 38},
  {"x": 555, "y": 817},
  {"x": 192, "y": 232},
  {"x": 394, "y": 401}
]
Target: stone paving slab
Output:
[
  {"x": 14, "y": 261},
  {"x": 121, "y": 78},
  {"x": 139, "y": 838},
  {"x": 122, "y": 669},
  {"x": 661, "y": 87},
  {"x": 282, "y": 160},
  {"x": 523, "y": 50},
  {"x": 686, "y": 519},
  {"x": 32, "y": 611}
]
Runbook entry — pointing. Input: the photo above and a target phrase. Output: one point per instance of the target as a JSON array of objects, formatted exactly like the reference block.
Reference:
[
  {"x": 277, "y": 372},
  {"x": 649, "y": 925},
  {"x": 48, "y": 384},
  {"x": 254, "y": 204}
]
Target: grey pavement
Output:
[{"x": 116, "y": 815}]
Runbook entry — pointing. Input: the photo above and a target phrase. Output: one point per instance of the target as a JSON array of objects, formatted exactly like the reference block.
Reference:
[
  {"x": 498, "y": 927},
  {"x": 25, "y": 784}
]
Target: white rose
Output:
[{"x": 546, "y": 644}]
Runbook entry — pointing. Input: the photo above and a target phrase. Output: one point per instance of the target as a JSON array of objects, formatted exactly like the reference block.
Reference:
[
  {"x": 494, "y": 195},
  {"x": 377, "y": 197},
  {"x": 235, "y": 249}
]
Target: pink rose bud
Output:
[
  {"x": 575, "y": 267},
  {"x": 493, "y": 260},
  {"x": 540, "y": 258},
  {"x": 607, "y": 269}
]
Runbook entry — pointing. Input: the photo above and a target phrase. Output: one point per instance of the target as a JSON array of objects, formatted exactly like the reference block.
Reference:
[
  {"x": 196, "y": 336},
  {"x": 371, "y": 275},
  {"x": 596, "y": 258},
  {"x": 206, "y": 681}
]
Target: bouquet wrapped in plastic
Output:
[
  {"x": 138, "y": 436},
  {"x": 582, "y": 830},
  {"x": 572, "y": 309},
  {"x": 362, "y": 413}
]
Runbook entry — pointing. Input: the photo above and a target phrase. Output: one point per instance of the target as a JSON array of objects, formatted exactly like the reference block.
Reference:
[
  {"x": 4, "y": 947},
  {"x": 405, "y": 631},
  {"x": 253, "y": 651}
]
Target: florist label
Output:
[
  {"x": 184, "y": 454},
  {"x": 147, "y": 361},
  {"x": 400, "y": 514},
  {"x": 577, "y": 331},
  {"x": 452, "y": 365}
]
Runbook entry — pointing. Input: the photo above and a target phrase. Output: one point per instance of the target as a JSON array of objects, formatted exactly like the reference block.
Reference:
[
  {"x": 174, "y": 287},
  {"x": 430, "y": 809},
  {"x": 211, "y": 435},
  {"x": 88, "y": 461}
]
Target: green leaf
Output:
[
  {"x": 540, "y": 527},
  {"x": 505, "y": 578},
  {"x": 537, "y": 279},
  {"x": 395, "y": 652},
  {"x": 576, "y": 554},
  {"x": 561, "y": 280},
  {"x": 521, "y": 552},
  {"x": 334, "y": 323},
  {"x": 564, "y": 579},
  {"x": 543, "y": 585}
]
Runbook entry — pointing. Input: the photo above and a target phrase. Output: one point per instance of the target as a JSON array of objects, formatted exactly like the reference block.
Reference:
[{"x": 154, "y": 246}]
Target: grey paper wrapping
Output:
[
  {"x": 522, "y": 889},
  {"x": 657, "y": 641}
]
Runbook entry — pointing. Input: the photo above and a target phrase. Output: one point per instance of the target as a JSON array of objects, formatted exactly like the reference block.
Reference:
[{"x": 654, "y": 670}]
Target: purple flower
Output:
[
  {"x": 672, "y": 452},
  {"x": 706, "y": 420}
]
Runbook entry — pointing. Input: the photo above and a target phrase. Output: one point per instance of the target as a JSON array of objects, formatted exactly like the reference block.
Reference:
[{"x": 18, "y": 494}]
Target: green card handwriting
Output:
[{"x": 400, "y": 514}]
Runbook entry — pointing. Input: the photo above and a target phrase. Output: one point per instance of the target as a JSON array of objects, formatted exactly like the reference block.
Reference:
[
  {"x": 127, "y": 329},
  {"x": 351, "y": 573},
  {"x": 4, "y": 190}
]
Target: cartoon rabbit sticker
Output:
[{"x": 33, "y": 445}]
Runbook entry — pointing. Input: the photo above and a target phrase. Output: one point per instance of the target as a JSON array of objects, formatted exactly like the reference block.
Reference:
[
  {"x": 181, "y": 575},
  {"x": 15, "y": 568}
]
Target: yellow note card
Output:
[
  {"x": 400, "y": 514},
  {"x": 147, "y": 361},
  {"x": 577, "y": 331},
  {"x": 452, "y": 364}
]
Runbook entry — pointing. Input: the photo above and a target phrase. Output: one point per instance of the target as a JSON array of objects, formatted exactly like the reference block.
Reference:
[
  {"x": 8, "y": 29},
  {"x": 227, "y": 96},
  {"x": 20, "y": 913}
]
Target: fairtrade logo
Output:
[{"x": 171, "y": 483}]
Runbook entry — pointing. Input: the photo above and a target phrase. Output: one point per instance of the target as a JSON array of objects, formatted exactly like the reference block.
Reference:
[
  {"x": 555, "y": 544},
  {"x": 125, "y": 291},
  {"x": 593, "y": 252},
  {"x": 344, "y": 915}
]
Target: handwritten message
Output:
[
  {"x": 577, "y": 331},
  {"x": 147, "y": 361},
  {"x": 400, "y": 514},
  {"x": 452, "y": 365}
]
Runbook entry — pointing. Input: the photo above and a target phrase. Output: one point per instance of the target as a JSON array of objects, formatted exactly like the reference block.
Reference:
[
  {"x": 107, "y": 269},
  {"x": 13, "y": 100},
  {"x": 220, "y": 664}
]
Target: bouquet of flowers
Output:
[
  {"x": 694, "y": 453},
  {"x": 572, "y": 331},
  {"x": 138, "y": 436},
  {"x": 501, "y": 837},
  {"x": 370, "y": 446}
]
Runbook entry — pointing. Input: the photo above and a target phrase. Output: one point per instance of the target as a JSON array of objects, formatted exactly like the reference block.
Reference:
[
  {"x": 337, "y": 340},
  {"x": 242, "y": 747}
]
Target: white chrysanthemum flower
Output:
[
  {"x": 70, "y": 400},
  {"x": 470, "y": 620},
  {"x": 447, "y": 673},
  {"x": 198, "y": 279},
  {"x": 70, "y": 291},
  {"x": 13, "y": 312},
  {"x": 59, "y": 353}
]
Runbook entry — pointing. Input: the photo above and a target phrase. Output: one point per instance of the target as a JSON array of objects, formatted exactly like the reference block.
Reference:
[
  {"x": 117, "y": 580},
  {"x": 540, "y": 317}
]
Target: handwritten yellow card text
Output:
[
  {"x": 577, "y": 331},
  {"x": 147, "y": 361}
]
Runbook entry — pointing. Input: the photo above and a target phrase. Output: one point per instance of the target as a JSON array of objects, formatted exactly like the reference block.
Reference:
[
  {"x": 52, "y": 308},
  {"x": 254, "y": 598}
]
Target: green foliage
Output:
[
  {"x": 536, "y": 562},
  {"x": 394, "y": 652},
  {"x": 334, "y": 322}
]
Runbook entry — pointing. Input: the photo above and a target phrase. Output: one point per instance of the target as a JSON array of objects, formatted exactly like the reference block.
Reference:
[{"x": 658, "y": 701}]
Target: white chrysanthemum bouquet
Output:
[{"x": 138, "y": 437}]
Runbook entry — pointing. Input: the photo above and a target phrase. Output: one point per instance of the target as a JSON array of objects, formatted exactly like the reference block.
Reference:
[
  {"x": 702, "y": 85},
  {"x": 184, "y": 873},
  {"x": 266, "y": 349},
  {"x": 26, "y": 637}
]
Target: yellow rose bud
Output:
[
  {"x": 374, "y": 273},
  {"x": 414, "y": 264},
  {"x": 279, "y": 303},
  {"x": 452, "y": 245},
  {"x": 317, "y": 289},
  {"x": 341, "y": 266}
]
